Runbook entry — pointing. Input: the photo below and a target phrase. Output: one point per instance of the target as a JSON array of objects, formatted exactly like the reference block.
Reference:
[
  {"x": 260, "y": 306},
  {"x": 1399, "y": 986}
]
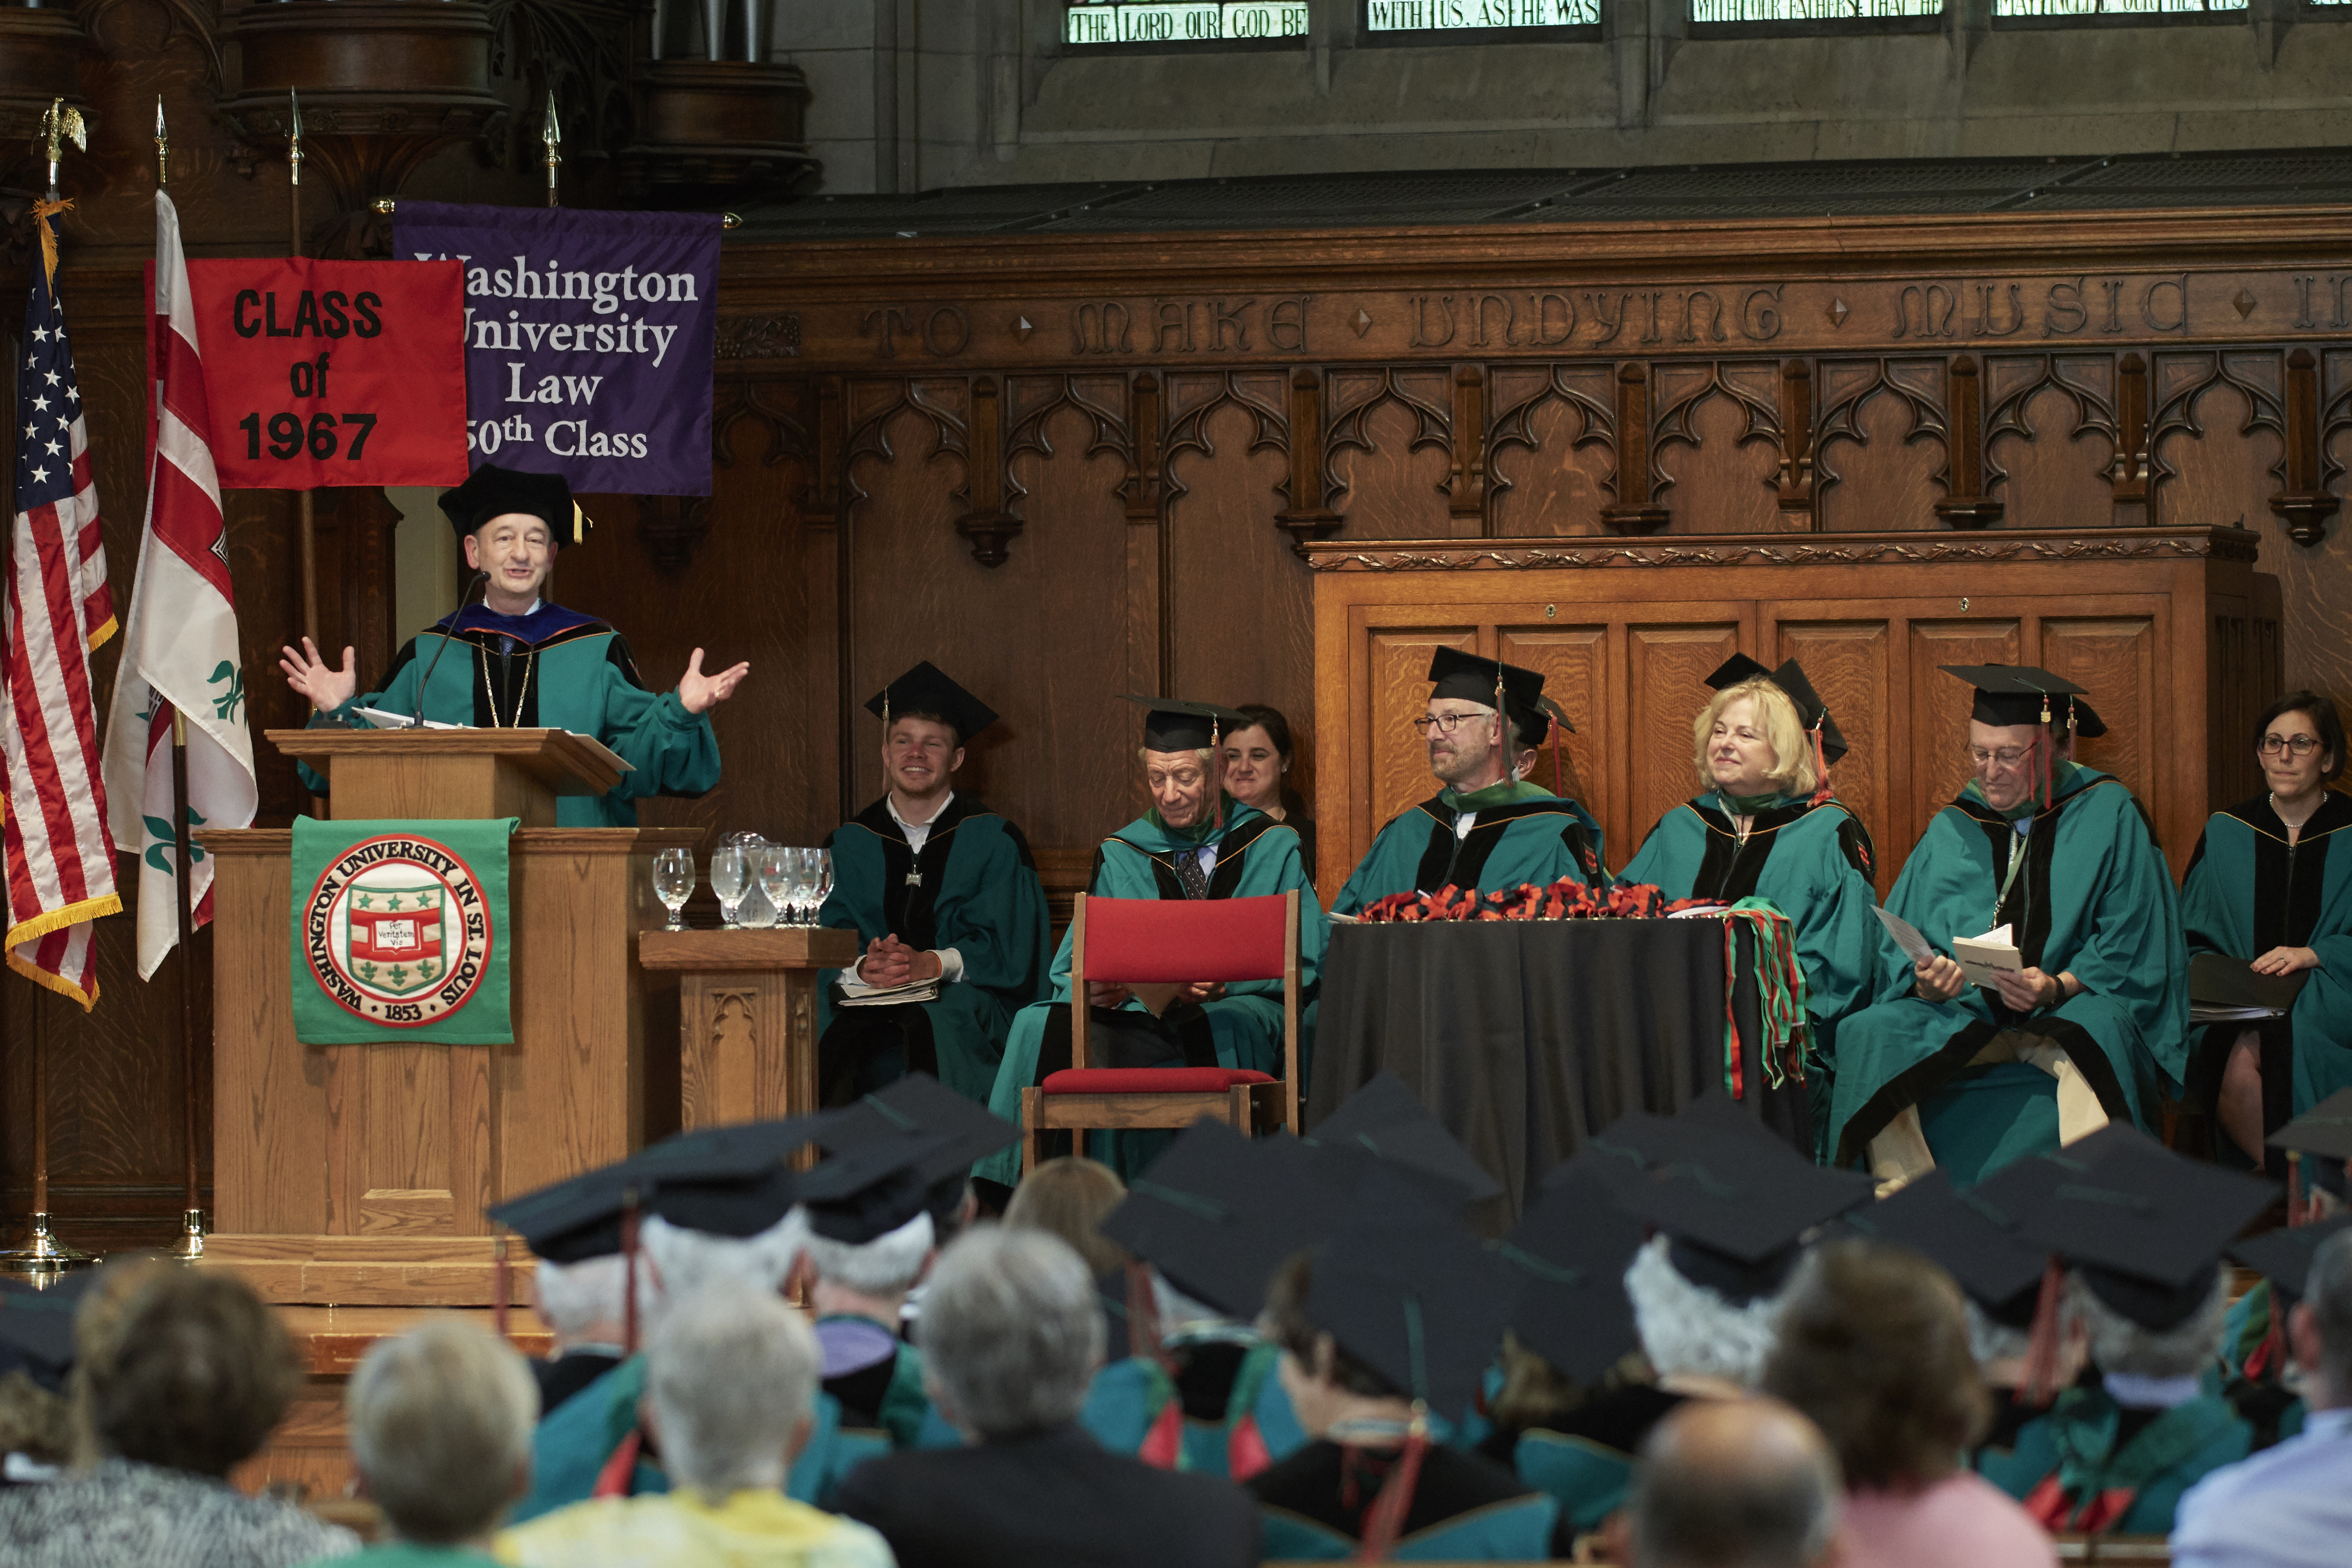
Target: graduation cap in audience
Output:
[
  {"x": 1466, "y": 678},
  {"x": 1811, "y": 712},
  {"x": 872, "y": 1190},
  {"x": 926, "y": 693},
  {"x": 491, "y": 491},
  {"x": 36, "y": 1326},
  {"x": 1218, "y": 1213},
  {"x": 2283, "y": 1257},
  {"x": 2325, "y": 1130},
  {"x": 1386, "y": 1120},
  {"x": 1170, "y": 725},
  {"x": 2009, "y": 694},
  {"x": 735, "y": 1185},
  {"x": 1419, "y": 1301},
  {"x": 1734, "y": 1202},
  {"x": 1568, "y": 1256},
  {"x": 1979, "y": 1245},
  {"x": 919, "y": 1103},
  {"x": 2144, "y": 1227}
]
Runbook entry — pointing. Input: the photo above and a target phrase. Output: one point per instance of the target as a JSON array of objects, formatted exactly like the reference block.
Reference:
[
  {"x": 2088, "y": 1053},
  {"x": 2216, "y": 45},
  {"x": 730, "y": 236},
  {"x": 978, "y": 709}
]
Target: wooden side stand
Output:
[{"x": 747, "y": 1017}]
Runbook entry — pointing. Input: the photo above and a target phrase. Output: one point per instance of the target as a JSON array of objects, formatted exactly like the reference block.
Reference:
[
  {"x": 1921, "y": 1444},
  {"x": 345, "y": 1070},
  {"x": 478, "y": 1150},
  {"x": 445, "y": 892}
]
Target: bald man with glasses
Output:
[{"x": 2090, "y": 1026}]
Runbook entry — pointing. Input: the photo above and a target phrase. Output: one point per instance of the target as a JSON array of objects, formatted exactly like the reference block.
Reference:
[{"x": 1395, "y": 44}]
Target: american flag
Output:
[{"x": 60, "y": 860}]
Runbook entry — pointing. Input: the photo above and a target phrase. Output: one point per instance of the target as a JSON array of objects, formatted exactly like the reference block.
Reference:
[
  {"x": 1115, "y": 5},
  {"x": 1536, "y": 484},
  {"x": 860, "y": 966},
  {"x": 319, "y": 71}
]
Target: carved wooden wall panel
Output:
[
  {"x": 1850, "y": 663},
  {"x": 1881, "y": 457},
  {"x": 1578, "y": 668}
]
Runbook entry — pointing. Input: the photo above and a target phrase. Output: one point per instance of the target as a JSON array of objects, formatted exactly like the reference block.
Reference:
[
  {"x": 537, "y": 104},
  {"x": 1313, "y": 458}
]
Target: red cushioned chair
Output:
[{"x": 1147, "y": 941}]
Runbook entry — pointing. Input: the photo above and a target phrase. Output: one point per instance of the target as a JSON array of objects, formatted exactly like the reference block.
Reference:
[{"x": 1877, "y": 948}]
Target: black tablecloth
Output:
[{"x": 1526, "y": 1038}]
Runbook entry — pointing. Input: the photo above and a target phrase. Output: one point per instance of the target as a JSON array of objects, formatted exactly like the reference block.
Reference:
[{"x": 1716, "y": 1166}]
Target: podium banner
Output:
[
  {"x": 589, "y": 339},
  {"x": 400, "y": 933}
]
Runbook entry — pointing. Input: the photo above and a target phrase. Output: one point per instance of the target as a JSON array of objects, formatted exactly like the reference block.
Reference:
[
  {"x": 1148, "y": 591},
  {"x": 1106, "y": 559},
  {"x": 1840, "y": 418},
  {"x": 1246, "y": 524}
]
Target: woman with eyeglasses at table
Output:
[{"x": 2270, "y": 884}]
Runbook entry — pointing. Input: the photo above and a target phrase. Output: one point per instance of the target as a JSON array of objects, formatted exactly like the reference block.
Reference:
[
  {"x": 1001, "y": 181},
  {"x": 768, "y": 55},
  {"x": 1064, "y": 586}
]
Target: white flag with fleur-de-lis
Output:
[{"x": 180, "y": 646}]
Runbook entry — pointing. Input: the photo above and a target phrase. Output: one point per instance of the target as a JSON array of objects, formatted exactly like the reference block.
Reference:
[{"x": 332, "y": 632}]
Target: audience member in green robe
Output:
[
  {"x": 2090, "y": 1028},
  {"x": 1196, "y": 842},
  {"x": 940, "y": 889},
  {"x": 518, "y": 661},
  {"x": 869, "y": 1237},
  {"x": 2271, "y": 885},
  {"x": 1383, "y": 1324},
  {"x": 2143, "y": 1232},
  {"x": 1765, "y": 825},
  {"x": 1488, "y": 827}
]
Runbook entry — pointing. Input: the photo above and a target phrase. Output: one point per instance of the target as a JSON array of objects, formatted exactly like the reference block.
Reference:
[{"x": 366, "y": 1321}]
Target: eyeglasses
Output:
[
  {"x": 2007, "y": 757},
  {"x": 2297, "y": 745},
  {"x": 1444, "y": 723}
]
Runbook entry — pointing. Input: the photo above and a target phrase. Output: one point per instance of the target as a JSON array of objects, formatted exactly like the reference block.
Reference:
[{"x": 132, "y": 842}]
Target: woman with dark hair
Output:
[
  {"x": 1257, "y": 773},
  {"x": 1874, "y": 1346},
  {"x": 2269, "y": 886}
]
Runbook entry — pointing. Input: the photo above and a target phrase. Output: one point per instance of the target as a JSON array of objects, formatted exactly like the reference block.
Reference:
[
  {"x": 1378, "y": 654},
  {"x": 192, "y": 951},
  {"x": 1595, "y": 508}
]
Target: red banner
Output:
[{"x": 333, "y": 373}]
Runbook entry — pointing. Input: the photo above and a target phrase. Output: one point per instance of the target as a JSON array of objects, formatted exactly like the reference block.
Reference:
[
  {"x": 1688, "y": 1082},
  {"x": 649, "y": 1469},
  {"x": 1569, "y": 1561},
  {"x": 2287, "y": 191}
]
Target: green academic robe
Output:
[
  {"x": 1812, "y": 863},
  {"x": 570, "y": 1449},
  {"x": 1256, "y": 857},
  {"x": 553, "y": 669},
  {"x": 974, "y": 889},
  {"x": 2072, "y": 1475},
  {"x": 1129, "y": 1397},
  {"x": 1588, "y": 1480},
  {"x": 2092, "y": 897},
  {"x": 1520, "y": 832},
  {"x": 1465, "y": 1509},
  {"x": 2247, "y": 891}
]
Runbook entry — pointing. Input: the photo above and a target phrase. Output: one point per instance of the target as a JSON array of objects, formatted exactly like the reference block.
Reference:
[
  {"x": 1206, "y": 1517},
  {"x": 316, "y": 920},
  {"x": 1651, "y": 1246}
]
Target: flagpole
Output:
[
  {"x": 306, "y": 516},
  {"x": 191, "y": 1245}
]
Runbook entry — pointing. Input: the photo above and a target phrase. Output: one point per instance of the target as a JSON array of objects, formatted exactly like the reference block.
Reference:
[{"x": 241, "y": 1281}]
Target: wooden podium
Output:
[
  {"x": 746, "y": 1013},
  {"x": 356, "y": 1176}
]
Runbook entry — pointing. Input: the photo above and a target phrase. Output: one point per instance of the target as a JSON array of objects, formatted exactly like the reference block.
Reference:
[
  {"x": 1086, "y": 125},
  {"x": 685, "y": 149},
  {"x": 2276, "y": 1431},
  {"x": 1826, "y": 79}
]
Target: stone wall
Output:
[{"x": 917, "y": 94}]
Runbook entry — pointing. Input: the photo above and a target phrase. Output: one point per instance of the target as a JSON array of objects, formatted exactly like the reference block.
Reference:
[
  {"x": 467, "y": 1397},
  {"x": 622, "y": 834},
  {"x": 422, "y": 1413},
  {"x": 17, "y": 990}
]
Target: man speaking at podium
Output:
[{"x": 516, "y": 661}]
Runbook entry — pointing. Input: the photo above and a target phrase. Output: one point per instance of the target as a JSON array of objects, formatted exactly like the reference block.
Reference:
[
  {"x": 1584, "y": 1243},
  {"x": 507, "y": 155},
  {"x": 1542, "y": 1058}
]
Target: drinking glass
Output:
[
  {"x": 775, "y": 880},
  {"x": 823, "y": 876},
  {"x": 674, "y": 883},
  {"x": 730, "y": 876},
  {"x": 804, "y": 899}
]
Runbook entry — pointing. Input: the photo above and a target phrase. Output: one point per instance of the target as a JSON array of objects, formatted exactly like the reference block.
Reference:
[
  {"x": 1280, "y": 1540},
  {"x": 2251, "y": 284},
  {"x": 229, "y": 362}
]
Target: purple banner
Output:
[{"x": 588, "y": 338}]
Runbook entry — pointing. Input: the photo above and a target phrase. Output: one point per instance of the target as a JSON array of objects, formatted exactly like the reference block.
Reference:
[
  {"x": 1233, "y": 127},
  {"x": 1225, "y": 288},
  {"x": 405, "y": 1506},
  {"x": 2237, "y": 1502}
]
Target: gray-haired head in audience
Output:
[
  {"x": 2184, "y": 1347},
  {"x": 441, "y": 1422},
  {"x": 1690, "y": 1329},
  {"x": 1735, "y": 1483},
  {"x": 730, "y": 1381},
  {"x": 1010, "y": 1332}
]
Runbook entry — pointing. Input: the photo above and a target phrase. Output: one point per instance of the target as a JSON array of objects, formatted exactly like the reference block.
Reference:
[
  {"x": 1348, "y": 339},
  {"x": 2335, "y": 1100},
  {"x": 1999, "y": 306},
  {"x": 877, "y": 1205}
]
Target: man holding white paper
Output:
[{"x": 2046, "y": 877}]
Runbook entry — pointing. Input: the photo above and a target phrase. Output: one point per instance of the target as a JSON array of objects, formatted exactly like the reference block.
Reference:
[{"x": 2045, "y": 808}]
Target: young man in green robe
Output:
[
  {"x": 2142, "y": 1232},
  {"x": 943, "y": 891},
  {"x": 1488, "y": 827},
  {"x": 1767, "y": 827},
  {"x": 516, "y": 661},
  {"x": 1196, "y": 842},
  {"x": 2089, "y": 1028}
]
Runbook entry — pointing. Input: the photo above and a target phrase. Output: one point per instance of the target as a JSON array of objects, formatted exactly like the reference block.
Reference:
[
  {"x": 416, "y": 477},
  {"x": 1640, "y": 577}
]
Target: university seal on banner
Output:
[{"x": 397, "y": 932}]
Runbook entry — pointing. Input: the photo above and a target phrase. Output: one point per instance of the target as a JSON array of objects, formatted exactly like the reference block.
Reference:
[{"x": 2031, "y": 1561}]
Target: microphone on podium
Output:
[{"x": 416, "y": 720}]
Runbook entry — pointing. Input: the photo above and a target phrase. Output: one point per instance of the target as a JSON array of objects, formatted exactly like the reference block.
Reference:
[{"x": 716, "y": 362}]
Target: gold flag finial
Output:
[
  {"x": 294, "y": 139},
  {"x": 59, "y": 125},
  {"x": 551, "y": 133},
  {"x": 162, "y": 147}
]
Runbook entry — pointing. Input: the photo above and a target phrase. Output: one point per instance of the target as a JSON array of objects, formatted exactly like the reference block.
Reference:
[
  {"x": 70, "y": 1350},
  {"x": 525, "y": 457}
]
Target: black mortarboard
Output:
[
  {"x": 1970, "y": 1237},
  {"x": 1420, "y": 1301},
  {"x": 1567, "y": 1257},
  {"x": 2011, "y": 694},
  {"x": 2325, "y": 1130},
  {"x": 1170, "y": 725},
  {"x": 36, "y": 1326},
  {"x": 1218, "y": 1213},
  {"x": 728, "y": 1181},
  {"x": 1735, "y": 1201},
  {"x": 1811, "y": 712},
  {"x": 1466, "y": 678},
  {"x": 870, "y": 1191},
  {"x": 924, "y": 693},
  {"x": 2283, "y": 1257},
  {"x": 573, "y": 1220},
  {"x": 1387, "y": 1120},
  {"x": 922, "y": 1104},
  {"x": 491, "y": 491},
  {"x": 2145, "y": 1227}
]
